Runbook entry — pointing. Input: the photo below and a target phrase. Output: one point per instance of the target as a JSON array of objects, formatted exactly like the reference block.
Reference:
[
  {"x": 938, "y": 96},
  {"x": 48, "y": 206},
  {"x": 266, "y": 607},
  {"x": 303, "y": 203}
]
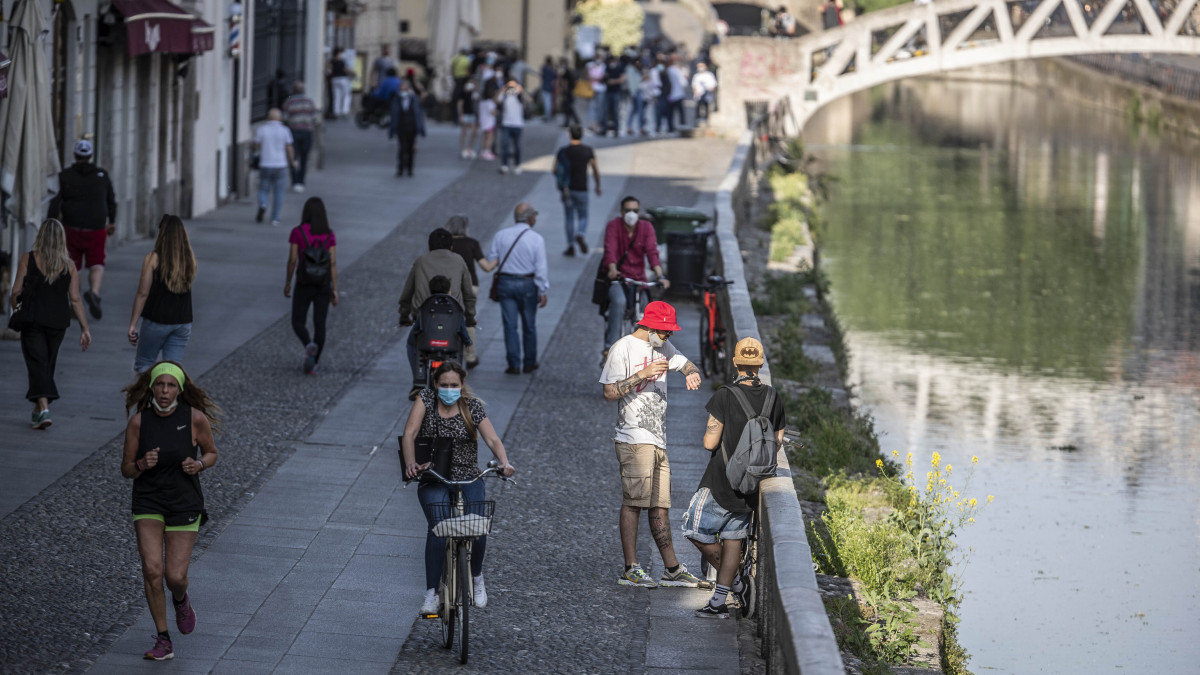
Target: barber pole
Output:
[{"x": 235, "y": 35}]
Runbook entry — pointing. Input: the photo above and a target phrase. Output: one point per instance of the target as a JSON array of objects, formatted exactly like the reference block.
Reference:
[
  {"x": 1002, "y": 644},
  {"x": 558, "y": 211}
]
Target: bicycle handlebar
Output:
[
  {"x": 712, "y": 284},
  {"x": 493, "y": 468},
  {"x": 644, "y": 284}
]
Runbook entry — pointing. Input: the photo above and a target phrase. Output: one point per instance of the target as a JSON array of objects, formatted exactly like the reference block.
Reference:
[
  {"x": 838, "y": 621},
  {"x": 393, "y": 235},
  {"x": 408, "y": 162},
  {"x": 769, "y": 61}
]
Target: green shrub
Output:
[{"x": 620, "y": 21}]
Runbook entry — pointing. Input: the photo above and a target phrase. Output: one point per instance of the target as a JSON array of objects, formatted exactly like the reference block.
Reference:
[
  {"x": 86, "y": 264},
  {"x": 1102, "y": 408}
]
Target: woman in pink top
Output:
[{"x": 312, "y": 260}]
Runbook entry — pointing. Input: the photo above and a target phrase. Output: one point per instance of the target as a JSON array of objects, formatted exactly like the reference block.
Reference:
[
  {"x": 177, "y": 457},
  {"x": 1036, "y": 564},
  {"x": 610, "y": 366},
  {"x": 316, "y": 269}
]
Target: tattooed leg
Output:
[
  {"x": 660, "y": 529},
  {"x": 710, "y": 552}
]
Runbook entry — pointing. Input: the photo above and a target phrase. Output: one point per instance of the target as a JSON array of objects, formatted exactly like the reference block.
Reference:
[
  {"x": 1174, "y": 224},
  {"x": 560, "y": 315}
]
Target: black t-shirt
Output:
[
  {"x": 725, "y": 408},
  {"x": 613, "y": 73},
  {"x": 470, "y": 250},
  {"x": 578, "y": 157}
]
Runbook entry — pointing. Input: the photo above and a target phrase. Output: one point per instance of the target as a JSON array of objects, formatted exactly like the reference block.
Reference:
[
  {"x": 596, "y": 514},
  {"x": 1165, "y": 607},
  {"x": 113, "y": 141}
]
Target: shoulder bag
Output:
[
  {"x": 494, "y": 292},
  {"x": 22, "y": 311},
  {"x": 600, "y": 285}
]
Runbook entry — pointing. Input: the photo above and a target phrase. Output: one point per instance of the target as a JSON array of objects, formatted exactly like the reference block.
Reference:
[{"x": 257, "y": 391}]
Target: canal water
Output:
[{"x": 1019, "y": 277}]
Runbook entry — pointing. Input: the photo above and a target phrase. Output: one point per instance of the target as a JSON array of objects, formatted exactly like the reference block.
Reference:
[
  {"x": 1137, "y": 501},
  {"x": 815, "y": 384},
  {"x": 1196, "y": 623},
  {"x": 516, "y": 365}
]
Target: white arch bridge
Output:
[{"x": 921, "y": 39}]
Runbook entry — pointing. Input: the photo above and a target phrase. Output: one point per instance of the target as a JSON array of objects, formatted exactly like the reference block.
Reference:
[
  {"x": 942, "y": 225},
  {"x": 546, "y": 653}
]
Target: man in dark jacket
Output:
[
  {"x": 87, "y": 207},
  {"x": 408, "y": 120}
]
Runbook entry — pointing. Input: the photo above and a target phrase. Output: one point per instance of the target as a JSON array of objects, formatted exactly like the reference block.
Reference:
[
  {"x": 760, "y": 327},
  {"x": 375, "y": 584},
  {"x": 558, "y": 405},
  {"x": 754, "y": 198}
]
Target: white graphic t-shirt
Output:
[{"x": 641, "y": 414}]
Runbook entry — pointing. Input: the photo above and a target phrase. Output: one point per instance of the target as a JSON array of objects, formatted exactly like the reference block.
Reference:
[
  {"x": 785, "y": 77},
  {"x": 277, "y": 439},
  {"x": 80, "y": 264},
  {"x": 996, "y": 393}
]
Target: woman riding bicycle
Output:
[
  {"x": 451, "y": 412},
  {"x": 629, "y": 244}
]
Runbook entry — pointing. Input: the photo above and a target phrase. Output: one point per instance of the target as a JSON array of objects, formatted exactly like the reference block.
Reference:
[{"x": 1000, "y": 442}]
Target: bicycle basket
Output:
[{"x": 475, "y": 521}]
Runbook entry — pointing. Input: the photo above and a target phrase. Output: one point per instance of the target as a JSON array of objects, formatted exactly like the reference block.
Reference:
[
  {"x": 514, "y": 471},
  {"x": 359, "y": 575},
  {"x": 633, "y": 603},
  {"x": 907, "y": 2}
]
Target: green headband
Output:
[{"x": 171, "y": 369}]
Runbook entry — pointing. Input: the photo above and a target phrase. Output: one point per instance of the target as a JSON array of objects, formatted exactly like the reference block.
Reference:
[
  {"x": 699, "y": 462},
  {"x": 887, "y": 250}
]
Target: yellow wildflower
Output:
[
  {"x": 936, "y": 459},
  {"x": 970, "y": 520},
  {"x": 956, "y": 494},
  {"x": 949, "y": 469},
  {"x": 895, "y": 453},
  {"x": 942, "y": 481},
  {"x": 908, "y": 459},
  {"x": 973, "y": 502},
  {"x": 990, "y": 498},
  {"x": 974, "y": 459},
  {"x": 879, "y": 463}
]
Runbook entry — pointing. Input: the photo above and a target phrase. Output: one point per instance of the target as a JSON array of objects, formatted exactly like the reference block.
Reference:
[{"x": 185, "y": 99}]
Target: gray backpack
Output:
[{"x": 754, "y": 457}]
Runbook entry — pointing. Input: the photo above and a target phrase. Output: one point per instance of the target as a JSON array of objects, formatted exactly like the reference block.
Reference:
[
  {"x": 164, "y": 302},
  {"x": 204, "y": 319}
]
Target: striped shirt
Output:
[{"x": 300, "y": 113}]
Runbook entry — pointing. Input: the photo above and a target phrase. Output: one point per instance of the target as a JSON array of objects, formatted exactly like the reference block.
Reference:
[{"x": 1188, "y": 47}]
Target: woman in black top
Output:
[
  {"x": 48, "y": 286},
  {"x": 164, "y": 297},
  {"x": 472, "y": 254},
  {"x": 451, "y": 412},
  {"x": 168, "y": 442},
  {"x": 313, "y": 231}
]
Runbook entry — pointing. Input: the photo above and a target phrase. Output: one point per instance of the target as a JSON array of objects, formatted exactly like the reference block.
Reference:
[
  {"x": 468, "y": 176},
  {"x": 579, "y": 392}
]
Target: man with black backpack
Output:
[{"x": 745, "y": 429}]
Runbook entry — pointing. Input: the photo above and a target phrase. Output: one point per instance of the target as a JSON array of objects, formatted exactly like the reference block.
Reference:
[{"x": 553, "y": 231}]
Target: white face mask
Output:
[
  {"x": 174, "y": 404},
  {"x": 631, "y": 218},
  {"x": 656, "y": 341}
]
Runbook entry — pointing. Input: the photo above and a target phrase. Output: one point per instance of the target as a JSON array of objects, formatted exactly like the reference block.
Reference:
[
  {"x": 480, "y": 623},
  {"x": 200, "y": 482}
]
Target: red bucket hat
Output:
[{"x": 659, "y": 316}]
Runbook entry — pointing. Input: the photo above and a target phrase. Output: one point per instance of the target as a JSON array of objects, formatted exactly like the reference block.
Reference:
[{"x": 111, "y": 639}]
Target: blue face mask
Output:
[{"x": 449, "y": 396}]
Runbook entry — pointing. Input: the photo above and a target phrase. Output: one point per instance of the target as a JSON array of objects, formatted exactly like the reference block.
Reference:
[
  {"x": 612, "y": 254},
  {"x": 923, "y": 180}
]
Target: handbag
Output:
[
  {"x": 602, "y": 282},
  {"x": 22, "y": 310},
  {"x": 494, "y": 291},
  {"x": 583, "y": 89},
  {"x": 435, "y": 451}
]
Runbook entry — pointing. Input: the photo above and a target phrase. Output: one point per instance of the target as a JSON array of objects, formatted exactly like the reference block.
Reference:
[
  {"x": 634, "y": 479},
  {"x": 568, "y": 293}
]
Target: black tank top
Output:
[
  {"x": 165, "y": 489},
  {"x": 163, "y": 306},
  {"x": 50, "y": 302}
]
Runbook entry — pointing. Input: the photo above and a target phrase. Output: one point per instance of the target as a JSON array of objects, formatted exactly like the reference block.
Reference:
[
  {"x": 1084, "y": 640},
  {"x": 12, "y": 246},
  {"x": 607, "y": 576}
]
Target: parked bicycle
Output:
[
  {"x": 460, "y": 522},
  {"x": 713, "y": 357}
]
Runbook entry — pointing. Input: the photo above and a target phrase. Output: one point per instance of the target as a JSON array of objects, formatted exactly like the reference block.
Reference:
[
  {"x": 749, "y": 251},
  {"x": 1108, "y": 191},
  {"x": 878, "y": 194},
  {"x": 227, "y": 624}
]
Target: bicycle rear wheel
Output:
[
  {"x": 464, "y": 596},
  {"x": 448, "y": 612}
]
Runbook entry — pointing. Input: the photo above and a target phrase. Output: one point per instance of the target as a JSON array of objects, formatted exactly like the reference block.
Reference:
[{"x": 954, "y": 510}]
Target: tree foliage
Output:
[{"x": 620, "y": 21}]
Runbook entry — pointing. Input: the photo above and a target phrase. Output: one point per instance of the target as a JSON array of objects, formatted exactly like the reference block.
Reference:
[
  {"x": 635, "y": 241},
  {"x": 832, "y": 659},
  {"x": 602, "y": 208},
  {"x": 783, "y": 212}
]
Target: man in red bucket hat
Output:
[{"x": 635, "y": 374}]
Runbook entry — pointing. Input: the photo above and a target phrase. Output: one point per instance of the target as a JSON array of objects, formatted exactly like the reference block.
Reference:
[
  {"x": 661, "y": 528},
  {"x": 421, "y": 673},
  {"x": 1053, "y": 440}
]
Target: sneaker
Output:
[
  {"x": 93, "y": 303},
  {"x": 162, "y": 650},
  {"x": 298, "y": 188},
  {"x": 570, "y": 252},
  {"x": 636, "y": 576},
  {"x": 429, "y": 607},
  {"x": 258, "y": 217},
  {"x": 504, "y": 168},
  {"x": 42, "y": 420},
  {"x": 518, "y": 170},
  {"x": 465, "y": 154},
  {"x": 471, "y": 154},
  {"x": 487, "y": 155},
  {"x": 310, "y": 358},
  {"x": 583, "y": 247},
  {"x": 185, "y": 616},
  {"x": 681, "y": 577},
  {"x": 710, "y": 612},
  {"x": 747, "y": 596},
  {"x": 480, "y": 594},
  {"x": 275, "y": 223}
]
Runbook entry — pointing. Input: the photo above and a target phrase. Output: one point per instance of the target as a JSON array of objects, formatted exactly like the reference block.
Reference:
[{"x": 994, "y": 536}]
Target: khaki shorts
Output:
[{"x": 645, "y": 475}]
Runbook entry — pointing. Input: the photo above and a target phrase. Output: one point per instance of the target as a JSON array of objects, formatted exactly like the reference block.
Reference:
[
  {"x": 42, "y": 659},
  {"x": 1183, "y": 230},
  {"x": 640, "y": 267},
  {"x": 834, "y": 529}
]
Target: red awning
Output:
[{"x": 162, "y": 26}]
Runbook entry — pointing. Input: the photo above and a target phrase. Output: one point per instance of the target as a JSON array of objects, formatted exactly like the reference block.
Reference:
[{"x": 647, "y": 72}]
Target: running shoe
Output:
[
  {"x": 480, "y": 593},
  {"x": 710, "y": 612},
  {"x": 162, "y": 650},
  {"x": 636, "y": 576},
  {"x": 748, "y": 595},
  {"x": 310, "y": 358},
  {"x": 517, "y": 171},
  {"x": 431, "y": 603},
  {"x": 42, "y": 420},
  {"x": 504, "y": 168},
  {"x": 185, "y": 616},
  {"x": 93, "y": 303},
  {"x": 681, "y": 577},
  {"x": 487, "y": 155}
]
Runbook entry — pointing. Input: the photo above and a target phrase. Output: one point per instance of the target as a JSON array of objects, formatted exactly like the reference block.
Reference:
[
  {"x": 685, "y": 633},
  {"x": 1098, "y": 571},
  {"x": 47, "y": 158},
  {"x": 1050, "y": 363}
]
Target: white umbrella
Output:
[
  {"x": 453, "y": 24},
  {"x": 29, "y": 163}
]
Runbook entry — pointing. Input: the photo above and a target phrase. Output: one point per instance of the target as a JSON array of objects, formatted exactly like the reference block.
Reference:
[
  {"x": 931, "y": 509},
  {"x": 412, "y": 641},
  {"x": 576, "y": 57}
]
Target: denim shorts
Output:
[{"x": 706, "y": 521}]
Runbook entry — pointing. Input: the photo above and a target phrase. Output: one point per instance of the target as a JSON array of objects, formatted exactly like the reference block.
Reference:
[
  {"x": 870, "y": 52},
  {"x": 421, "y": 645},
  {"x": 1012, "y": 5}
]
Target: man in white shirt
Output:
[
  {"x": 635, "y": 374},
  {"x": 512, "y": 123},
  {"x": 704, "y": 87},
  {"x": 522, "y": 286},
  {"x": 273, "y": 142},
  {"x": 679, "y": 87}
]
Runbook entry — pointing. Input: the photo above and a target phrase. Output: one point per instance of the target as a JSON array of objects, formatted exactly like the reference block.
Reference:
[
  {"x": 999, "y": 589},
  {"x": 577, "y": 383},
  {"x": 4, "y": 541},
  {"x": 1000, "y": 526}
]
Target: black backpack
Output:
[{"x": 315, "y": 264}]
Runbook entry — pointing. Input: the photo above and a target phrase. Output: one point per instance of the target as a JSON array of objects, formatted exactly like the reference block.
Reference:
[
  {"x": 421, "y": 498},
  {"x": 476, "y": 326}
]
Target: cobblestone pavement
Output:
[{"x": 67, "y": 556}]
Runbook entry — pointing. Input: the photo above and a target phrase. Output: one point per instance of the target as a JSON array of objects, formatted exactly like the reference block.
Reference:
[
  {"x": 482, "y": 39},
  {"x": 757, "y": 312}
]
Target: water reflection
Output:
[{"x": 1020, "y": 281}]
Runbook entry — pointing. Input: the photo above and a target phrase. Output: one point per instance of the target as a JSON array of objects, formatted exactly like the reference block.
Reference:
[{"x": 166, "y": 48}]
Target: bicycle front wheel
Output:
[
  {"x": 449, "y": 585},
  {"x": 706, "y": 359},
  {"x": 464, "y": 598}
]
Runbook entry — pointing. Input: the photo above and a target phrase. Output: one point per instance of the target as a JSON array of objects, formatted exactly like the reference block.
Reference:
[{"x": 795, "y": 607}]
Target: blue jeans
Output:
[
  {"x": 612, "y": 111},
  {"x": 547, "y": 105},
  {"x": 435, "y": 547},
  {"x": 637, "y": 112},
  {"x": 619, "y": 297},
  {"x": 272, "y": 180},
  {"x": 575, "y": 209},
  {"x": 663, "y": 115},
  {"x": 518, "y": 301},
  {"x": 510, "y": 137},
  {"x": 170, "y": 339}
]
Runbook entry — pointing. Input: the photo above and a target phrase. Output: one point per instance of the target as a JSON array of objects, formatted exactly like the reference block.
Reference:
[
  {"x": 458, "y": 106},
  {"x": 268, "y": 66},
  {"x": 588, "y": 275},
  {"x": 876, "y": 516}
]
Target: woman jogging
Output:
[
  {"x": 164, "y": 297},
  {"x": 472, "y": 253},
  {"x": 451, "y": 412},
  {"x": 316, "y": 288},
  {"x": 47, "y": 287},
  {"x": 168, "y": 442}
]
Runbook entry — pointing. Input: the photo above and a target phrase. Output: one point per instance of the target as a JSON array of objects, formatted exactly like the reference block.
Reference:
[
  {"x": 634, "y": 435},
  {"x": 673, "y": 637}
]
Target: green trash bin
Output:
[{"x": 675, "y": 219}]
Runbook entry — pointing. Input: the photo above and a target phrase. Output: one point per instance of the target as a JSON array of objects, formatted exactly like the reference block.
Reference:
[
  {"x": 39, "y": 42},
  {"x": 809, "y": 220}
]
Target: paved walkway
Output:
[{"x": 316, "y": 567}]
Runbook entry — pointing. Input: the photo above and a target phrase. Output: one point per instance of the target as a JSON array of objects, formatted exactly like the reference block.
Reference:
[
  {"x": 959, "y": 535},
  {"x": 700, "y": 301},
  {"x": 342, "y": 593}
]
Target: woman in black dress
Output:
[
  {"x": 47, "y": 285},
  {"x": 168, "y": 442}
]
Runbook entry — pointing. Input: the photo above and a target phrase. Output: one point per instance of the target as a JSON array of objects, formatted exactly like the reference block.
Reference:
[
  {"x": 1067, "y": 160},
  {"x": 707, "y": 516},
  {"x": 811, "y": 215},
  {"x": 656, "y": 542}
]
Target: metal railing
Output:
[
  {"x": 792, "y": 626},
  {"x": 1171, "y": 77}
]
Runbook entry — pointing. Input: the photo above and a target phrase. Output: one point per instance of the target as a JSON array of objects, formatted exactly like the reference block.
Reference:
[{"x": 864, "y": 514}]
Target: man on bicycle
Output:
[
  {"x": 635, "y": 374},
  {"x": 718, "y": 517},
  {"x": 629, "y": 244}
]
